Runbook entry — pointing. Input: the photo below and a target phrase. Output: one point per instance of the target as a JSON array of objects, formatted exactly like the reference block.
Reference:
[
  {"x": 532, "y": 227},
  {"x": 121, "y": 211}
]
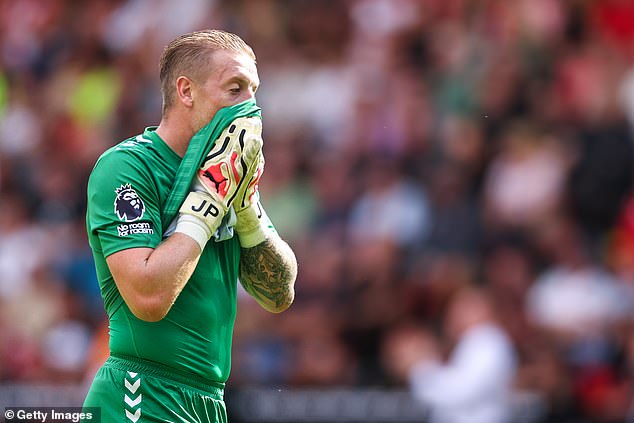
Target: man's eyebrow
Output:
[{"x": 243, "y": 79}]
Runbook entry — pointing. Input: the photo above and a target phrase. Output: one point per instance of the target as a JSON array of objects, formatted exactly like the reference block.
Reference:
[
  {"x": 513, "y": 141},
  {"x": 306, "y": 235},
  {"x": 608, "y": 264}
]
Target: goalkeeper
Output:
[{"x": 170, "y": 293}]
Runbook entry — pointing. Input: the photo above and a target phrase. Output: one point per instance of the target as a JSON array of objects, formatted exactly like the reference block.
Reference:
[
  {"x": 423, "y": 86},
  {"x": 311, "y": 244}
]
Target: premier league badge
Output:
[{"x": 128, "y": 205}]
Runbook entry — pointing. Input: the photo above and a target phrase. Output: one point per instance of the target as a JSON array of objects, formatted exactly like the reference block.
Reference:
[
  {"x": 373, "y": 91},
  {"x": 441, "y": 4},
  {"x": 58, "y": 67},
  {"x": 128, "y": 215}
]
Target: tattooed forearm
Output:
[{"x": 268, "y": 272}]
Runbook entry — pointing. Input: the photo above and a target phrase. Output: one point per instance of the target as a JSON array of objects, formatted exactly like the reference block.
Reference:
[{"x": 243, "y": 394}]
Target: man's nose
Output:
[{"x": 249, "y": 94}]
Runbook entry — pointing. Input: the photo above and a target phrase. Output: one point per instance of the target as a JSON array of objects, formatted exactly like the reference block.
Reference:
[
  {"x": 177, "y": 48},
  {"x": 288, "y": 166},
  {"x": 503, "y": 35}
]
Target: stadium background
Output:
[{"x": 413, "y": 148}]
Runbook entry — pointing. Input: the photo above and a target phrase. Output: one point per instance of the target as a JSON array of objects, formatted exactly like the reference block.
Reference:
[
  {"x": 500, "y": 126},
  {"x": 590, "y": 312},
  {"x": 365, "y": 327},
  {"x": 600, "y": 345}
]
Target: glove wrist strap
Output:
[
  {"x": 199, "y": 217},
  {"x": 194, "y": 228},
  {"x": 253, "y": 226}
]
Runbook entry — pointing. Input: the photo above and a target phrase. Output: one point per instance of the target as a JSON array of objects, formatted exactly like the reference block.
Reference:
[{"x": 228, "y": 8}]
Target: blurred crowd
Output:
[{"x": 455, "y": 177}]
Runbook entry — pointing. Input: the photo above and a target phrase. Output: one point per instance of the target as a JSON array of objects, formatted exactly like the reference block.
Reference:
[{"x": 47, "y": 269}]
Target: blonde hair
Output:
[{"x": 190, "y": 54}]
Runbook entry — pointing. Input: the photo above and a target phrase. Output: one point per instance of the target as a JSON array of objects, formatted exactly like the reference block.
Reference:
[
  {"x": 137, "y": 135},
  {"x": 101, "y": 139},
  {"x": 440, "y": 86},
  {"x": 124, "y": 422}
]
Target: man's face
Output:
[{"x": 234, "y": 80}]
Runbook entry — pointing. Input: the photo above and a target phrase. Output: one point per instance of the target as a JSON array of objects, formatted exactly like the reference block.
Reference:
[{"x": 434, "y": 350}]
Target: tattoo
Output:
[{"x": 268, "y": 272}]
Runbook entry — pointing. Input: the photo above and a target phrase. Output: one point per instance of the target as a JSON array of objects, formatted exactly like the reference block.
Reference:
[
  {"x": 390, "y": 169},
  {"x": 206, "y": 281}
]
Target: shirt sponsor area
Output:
[{"x": 126, "y": 229}]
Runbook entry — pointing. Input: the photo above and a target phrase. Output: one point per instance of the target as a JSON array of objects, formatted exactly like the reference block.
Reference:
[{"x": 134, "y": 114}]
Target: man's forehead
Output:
[{"x": 232, "y": 64}]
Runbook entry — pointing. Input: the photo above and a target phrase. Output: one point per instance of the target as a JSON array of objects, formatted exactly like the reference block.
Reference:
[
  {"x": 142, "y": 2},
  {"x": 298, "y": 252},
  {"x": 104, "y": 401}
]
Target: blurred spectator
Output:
[
  {"x": 475, "y": 384},
  {"x": 455, "y": 220},
  {"x": 391, "y": 208},
  {"x": 20, "y": 129},
  {"x": 21, "y": 243},
  {"x": 525, "y": 180},
  {"x": 601, "y": 178},
  {"x": 580, "y": 309},
  {"x": 574, "y": 297}
]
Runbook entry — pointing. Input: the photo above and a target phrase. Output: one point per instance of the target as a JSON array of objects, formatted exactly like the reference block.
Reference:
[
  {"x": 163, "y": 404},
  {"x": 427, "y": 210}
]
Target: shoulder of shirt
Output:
[{"x": 133, "y": 146}]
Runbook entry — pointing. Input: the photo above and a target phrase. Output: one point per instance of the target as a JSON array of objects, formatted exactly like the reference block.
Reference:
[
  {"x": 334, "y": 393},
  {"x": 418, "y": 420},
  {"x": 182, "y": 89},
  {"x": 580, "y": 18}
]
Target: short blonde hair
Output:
[{"x": 189, "y": 55}]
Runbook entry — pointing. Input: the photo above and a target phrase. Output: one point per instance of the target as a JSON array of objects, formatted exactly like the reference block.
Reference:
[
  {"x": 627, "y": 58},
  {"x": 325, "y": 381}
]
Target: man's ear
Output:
[{"x": 184, "y": 91}]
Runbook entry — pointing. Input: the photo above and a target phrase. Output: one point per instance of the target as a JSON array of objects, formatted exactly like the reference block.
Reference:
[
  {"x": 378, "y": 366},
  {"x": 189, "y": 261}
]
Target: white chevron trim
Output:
[
  {"x": 134, "y": 417},
  {"x": 132, "y": 387},
  {"x": 133, "y": 402},
  {"x": 130, "y": 400}
]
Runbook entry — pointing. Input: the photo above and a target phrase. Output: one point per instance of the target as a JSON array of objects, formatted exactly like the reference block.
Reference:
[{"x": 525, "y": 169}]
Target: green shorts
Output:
[{"x": 131, "y": 390}]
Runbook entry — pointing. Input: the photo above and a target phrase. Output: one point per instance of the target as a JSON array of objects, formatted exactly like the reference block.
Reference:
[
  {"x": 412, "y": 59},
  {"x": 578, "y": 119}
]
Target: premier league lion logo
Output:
[{"x": 128, "y": 205}]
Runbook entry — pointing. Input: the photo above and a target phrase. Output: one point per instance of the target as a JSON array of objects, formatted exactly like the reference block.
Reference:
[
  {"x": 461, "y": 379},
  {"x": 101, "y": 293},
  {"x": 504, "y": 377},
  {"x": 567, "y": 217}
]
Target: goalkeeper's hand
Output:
[
  {"x": 253, "y": 225},
  {"x": 227, "y": 168}
]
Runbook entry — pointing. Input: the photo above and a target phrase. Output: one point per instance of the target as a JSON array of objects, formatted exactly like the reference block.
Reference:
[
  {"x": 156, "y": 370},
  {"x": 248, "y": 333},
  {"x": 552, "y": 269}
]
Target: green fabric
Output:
[
  {"x": 126, "y": 391},
  {"x": 195, "y": 337},
  {"x": 199, "y": 146}
]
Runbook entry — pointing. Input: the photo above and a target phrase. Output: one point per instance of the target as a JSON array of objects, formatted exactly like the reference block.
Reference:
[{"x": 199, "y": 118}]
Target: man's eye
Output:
[{"x": 235, "y": 90}]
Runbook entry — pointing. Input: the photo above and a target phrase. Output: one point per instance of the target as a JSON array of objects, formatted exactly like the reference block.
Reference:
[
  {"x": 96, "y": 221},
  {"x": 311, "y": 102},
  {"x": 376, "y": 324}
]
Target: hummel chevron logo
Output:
[
  {"x": 133, "y": 402},
  {"x": 132, "y": 387},
  {"x": 134, "y": 417}
]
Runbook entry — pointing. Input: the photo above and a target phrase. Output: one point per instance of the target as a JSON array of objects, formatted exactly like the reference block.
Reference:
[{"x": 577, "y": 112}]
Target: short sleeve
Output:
[{"x": 123, "y": 204}]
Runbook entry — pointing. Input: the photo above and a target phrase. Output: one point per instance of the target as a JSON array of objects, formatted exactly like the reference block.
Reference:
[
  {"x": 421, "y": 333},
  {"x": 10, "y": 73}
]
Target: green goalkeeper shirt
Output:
[{"x": 127, "y": 190}]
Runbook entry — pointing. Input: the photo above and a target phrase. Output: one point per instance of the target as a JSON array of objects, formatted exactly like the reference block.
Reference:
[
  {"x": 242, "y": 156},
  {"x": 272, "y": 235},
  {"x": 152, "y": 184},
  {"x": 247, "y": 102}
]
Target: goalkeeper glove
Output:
[
  {"x": 253, "y": 225},
  {"x": 225, "y": 170}
]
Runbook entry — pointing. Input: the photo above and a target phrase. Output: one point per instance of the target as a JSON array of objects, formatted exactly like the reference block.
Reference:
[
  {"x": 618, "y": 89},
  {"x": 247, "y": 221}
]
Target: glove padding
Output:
[
  {"x": 231, "y": 161},
  {"x": 253, "y": 225},
  {"x": 228, "y": 167},
  {"x": 248, "y": 195}
]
